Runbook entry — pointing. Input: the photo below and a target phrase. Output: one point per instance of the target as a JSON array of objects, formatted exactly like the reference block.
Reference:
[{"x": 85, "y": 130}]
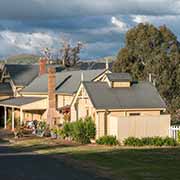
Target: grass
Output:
[
  {"x": 118, "y": 162},
  {"x": 3, "y": 141}
]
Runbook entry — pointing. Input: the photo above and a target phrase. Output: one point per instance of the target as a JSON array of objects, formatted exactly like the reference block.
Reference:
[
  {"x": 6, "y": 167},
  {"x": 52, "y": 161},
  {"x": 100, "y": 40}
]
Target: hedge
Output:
[
  {"x": 107, "y": 140},
  {"x": 150, "y": 141}
]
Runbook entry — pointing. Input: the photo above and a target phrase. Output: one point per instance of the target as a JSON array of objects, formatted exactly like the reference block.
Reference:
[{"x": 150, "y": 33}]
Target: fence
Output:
[{"x": 174, "y": 131}]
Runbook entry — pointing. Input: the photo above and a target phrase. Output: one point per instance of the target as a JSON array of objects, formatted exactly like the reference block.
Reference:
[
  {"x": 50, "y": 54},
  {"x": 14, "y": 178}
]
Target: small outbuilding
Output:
[{"x": 122, "y": 107}]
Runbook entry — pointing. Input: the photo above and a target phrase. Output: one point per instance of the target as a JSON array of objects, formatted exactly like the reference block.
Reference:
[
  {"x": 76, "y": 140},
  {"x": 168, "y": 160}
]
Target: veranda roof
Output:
[{"x": 19, "y": 101}]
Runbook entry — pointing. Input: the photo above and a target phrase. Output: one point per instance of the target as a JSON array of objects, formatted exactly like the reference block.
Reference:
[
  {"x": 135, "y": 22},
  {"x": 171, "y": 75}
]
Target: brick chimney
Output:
[
  {"x": 51, "y": 114},
  {"x": 42, "y": 66}
]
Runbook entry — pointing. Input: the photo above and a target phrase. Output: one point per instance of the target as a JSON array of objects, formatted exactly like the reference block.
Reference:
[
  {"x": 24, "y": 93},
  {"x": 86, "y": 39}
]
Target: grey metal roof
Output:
[
  {"x": 19, "y": 101},
  {"x": 120, "y": 77},
  {"x": 139, "y": 95},
  {"x": 40, "y": 84},
  {"x": 6, "y": 89},
  {"x": 71, "y": 85},
  {"x": 66, "y": 81},
  {"x": 22, "y": 74}
]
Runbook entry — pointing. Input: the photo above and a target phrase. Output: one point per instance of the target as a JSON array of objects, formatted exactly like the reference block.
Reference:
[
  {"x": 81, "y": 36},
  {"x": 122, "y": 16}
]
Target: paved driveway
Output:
[{"x": 16, "y": 165}]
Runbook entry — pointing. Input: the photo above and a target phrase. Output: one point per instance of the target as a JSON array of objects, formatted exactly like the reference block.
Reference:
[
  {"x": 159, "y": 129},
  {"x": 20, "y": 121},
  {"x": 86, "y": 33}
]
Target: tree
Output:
[
  {"x": 70, "y": 55},
  {"x": 157, "y": 51}
]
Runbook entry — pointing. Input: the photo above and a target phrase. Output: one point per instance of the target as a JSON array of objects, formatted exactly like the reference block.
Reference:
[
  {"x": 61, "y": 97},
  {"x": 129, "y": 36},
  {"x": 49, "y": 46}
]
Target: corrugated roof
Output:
[
  {"x": 66, "y": 81},
  {"x": 119, "y": 77},
  {"x": 6, "y": 89},
  {"x": 71, "y": 85},
  {"x": 139, "y": 95},
  {"x": 22, "y": 74},
  {"x": 40, "y": 84},
  {"x": 19, "y": 101}
]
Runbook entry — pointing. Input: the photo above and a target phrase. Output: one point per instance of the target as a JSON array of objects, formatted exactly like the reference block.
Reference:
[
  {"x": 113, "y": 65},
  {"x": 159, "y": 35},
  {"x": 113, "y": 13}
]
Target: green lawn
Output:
[{"x": 118, "y": 162}]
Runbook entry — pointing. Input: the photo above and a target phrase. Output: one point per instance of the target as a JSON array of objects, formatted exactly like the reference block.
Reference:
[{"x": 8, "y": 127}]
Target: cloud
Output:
[
  {"x": 153, "y": 19},
  {"x": 19, "y": 42},
  {"x": 46, "y": 9},
  {"x": 28, "y": 25},
  {"x": 122, "y": 26},
  {"x": 140, "y": 19}
]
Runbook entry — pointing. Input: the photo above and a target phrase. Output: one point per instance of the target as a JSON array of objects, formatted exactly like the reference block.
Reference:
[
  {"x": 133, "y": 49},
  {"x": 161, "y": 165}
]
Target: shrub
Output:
[
  {"x": 158, "y": 141},
  {"x": 67, "y": 130},
  {"x": 132, "y": 141},
  {"x": 146, "y": 141},
  {"x": 169, "y": 142},
  {"x": 81, "y": 131},
  {"x": 150, "y": 141},
  {"x": 107, "y": 140},
  {"x": 179, "y": 136},
  {"x": 90, "y": 128},
  {"x": 61, "y": 134}
]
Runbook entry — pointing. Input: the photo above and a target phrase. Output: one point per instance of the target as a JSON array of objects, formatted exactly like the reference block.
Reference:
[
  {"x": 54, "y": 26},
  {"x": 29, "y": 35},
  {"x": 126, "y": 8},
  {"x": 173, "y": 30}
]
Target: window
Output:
[{"x": 134, "y": 114}]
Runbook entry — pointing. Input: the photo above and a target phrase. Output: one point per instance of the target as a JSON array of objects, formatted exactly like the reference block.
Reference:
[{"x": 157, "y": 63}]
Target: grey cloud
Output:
[{"x": 49, "y": 9}]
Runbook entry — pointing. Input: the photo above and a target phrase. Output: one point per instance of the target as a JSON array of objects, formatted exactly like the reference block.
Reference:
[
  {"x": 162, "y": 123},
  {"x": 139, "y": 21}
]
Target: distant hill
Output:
[
  {"x": 33, "y": 59},
  {"x": 23, "y": 59}
]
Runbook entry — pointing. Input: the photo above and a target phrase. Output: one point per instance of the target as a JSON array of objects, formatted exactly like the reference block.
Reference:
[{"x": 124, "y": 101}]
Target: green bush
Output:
[
  {"x": 67, "y": 130},
  {"x": 90, "y": 128},
  {"x": 147, "y": 141},
  {"x": 150, "y": 141},
  {"x": 81, "y": 131},
  {"x": 178, "y": 136},
  {"x": 132, "y": 141},
  {"x": 169, "y": 142},
  {"x": 107, "y": 140},
  {"x": 61, "y": 133},
  {"x": 158, "y": 141}
]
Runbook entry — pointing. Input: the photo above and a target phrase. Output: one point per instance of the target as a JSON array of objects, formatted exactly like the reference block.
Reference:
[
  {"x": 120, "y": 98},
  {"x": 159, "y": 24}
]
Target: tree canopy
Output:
[{"x": 156, "y": 51}]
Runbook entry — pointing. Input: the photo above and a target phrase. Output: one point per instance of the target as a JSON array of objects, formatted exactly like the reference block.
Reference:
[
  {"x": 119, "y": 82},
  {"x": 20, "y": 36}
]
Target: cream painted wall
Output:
[
  {"x": 116, "y": 84},
  {"x": 64, "y": 100},
  {"x": 84, "y": 107},
  {"x": 100, "y": 124},
  {"x": 120, "y": 84},
  {"x": 28, "y": 116},
  {"x": 38, "y": 105},
  {"x": 142, "y": 112},
  {"x": 139, "y": 126}
]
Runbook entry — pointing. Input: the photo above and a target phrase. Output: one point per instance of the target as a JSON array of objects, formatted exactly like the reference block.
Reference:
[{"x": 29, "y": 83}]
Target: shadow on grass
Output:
[
  {"x": 155, "y": 163},
  {"x": 40, "y": 167},
  {"x": 37, "y": 147},
  {"x": 3, "y": 141}
]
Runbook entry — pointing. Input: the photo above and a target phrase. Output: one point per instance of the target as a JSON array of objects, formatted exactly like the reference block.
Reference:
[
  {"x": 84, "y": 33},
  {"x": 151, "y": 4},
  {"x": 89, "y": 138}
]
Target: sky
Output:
[{"x": 28, "y": 26}]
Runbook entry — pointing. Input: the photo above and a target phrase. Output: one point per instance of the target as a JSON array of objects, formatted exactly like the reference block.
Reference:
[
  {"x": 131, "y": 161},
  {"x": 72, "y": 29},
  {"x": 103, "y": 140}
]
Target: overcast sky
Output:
[{"x": 27, "y": 26}]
